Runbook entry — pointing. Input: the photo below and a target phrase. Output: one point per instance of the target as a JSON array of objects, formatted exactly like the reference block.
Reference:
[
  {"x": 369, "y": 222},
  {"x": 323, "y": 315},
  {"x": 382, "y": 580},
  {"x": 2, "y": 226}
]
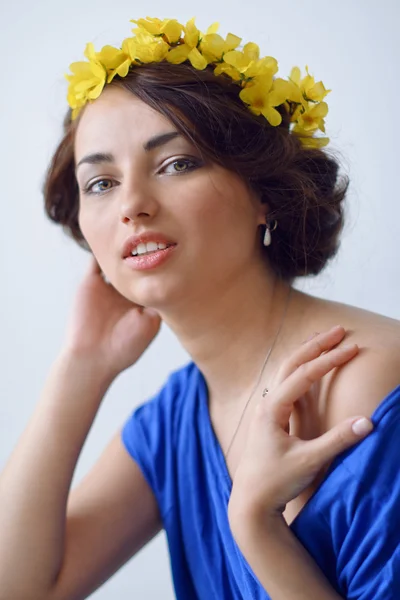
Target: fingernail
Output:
[
  {"x": 335, "y": 328},
  {"x": 347, "y": 347},
  {"x": 362, "y": 426}
]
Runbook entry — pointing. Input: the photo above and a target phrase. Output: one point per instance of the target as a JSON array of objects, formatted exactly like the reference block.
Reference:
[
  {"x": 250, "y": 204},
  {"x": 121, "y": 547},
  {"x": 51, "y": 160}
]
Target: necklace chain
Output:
[{"x": 265, "y": 391}]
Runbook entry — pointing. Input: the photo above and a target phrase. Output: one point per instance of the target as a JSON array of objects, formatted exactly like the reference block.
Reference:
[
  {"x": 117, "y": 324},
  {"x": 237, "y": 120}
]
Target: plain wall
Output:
[{"x": 352, "y": 45}]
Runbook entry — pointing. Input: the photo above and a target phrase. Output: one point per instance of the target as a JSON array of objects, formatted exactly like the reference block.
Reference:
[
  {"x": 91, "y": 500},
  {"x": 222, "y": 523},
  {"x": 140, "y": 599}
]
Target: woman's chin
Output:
[{"x": 152, "y": 295}]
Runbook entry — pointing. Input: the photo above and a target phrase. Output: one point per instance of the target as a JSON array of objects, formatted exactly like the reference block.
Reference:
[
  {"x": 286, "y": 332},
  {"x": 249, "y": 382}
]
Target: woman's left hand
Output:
[{"x": 276, "y": 466}]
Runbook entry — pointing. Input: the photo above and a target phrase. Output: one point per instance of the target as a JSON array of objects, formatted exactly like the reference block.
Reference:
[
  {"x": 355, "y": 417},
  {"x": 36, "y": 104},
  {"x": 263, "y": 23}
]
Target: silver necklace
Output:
[{"x": 265, "y": 391}]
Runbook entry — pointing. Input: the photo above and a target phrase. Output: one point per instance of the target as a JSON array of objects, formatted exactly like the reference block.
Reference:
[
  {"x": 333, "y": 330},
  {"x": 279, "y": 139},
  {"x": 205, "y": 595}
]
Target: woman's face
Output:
[{"x": 207, "y": 211}]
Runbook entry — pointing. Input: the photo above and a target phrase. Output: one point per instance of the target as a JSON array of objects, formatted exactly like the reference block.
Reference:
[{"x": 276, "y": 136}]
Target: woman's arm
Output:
[
  {"x": 35, "y": 482},
  {"x": 106, "y": 334},
  {"x": 280, "y": 562}
]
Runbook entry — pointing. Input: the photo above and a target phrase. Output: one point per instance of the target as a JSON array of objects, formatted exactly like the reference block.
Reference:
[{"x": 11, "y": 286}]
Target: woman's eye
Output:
[
  {"x": 90, "y": 189},
  {"x": 181, "y": 165}
]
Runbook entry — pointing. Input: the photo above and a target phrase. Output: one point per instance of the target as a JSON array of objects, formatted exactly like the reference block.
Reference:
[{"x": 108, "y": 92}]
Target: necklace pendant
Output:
[{"x": 265, "y": 392}]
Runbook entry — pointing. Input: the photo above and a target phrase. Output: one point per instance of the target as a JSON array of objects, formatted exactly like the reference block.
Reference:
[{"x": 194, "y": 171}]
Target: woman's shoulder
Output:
[{"x": 359, "y": 387}]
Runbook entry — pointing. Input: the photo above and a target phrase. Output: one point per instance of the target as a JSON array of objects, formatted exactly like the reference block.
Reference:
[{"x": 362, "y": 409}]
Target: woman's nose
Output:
[{"x": 137, "y": 201}]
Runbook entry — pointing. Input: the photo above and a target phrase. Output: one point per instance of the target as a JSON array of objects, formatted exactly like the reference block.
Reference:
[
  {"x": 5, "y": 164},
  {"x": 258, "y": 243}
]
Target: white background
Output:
[{"x": 352, "y": 45}]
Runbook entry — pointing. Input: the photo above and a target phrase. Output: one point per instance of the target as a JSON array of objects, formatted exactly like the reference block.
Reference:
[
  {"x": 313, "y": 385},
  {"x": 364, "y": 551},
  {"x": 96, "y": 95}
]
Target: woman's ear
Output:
[
  {"x": 262, "y": 212},
  {"x": 262, "y": 209}
]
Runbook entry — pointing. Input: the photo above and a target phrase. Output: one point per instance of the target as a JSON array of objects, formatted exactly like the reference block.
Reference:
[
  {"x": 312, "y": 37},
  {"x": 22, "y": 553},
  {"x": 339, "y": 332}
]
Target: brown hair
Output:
[{"x": 300, "y": 185}]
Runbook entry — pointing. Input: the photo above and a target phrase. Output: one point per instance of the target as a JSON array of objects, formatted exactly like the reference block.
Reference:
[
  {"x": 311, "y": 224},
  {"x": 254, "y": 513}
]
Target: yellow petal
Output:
[
  {"x": 270, "y": 63},
  {"x": 179, "y": 54},
  {"x": 71, "y": 99},
  {"x": 237, "y": 59},
  {"x": 111, "y": 57},
  {"x": 228, "y": 70},
  {"x": 263, "y": 83},
  {"x": 81, "y": 88},
  {"x": 319, "y": 110},
  {"x": 160, "y": 50},
  {"x": 98, "y": 70},
  {"x": 96, "y": 91},
  {"x": 255, "y": 96},
  {"x": 276, "y": 97},
  {"x": 251, "y": 51},
  {"x": 293, "y": 92},
  {"x": 212, "y": 29},
  {"x": 80, "y": 69},
  {"x": 232, "y": 42},
  {"x": 295, "y": 75},
  {"x": 307, "y": 82},
  {"x": 128, "y": 47},
  {"x": 212, "y": 46},
  {"x": 121, "y": 70},
  {"x": 192, "y": 34},
  {"x": 318, "y": 92},
  {"x": 90, "y": 51},
  {"x": 172, "y": 29},
  {"x": 261, "y": 68},
  {"x": 144, "y": 37},
  {"x": 145, "y": 51},
  {"x": 308, "y": 140},
  {"x": 285, "y": 90},
  {"x": 272, "y": 116},
  {"x": 197, "y": 60},
  {"x": 151, "y": 25}
]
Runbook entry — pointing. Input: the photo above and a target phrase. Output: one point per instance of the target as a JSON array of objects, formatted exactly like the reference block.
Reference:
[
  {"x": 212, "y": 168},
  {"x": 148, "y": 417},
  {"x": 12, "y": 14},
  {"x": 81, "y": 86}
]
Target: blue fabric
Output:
[{"x": 351, "y": 525}]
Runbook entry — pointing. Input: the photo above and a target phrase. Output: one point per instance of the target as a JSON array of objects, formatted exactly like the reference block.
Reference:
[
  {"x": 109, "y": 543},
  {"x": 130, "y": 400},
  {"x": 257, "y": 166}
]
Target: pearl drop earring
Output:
[{"x": 268, "y": 228}]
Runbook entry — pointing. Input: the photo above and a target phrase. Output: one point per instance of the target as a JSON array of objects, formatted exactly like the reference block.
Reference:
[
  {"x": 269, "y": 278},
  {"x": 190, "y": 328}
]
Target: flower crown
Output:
[{"x": 156, "y": 40}]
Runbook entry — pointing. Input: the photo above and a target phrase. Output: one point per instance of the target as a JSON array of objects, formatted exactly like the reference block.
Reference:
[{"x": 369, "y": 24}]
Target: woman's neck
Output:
[{"x": 228, "y": 336}]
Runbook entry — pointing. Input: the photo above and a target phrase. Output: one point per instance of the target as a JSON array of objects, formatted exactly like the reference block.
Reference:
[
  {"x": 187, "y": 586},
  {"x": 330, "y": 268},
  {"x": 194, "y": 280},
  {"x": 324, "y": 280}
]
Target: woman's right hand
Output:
[{"x": 107, "y": 326}]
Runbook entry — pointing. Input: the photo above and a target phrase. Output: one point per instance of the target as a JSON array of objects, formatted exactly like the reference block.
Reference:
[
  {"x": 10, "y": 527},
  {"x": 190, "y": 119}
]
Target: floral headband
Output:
[{"x": 156, "y": 40}]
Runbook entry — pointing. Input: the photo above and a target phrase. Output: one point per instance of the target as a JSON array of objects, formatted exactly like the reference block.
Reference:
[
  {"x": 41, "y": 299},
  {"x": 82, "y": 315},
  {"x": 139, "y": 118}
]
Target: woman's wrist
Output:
[
  {"x": 249, "y": 521},
  {"x": 86, "y": 362}
]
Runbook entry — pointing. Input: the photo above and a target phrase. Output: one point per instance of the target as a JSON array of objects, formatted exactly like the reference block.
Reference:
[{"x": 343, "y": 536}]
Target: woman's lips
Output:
[{"x": 151, "y": 260}]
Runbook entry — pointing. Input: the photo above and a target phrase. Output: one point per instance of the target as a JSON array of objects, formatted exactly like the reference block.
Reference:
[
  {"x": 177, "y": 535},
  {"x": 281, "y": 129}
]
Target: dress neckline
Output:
[{"x": 377, "y": 415}]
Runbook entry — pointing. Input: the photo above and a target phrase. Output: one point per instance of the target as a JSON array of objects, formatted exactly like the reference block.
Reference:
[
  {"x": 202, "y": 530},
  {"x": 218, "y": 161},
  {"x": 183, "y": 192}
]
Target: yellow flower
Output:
[
  {"x": 310, "y": 89},
  {"x": 115, "y": 61},
  {"x": 241, "y": 59},
  {"x": 87, "y": 80},
  {"x": 291, "y": 90},
  {"x": 313, "y": 118},
  {"x": 246, "y": 64},
  {"x": 262, "y": 95},
  {"x": 213, "y": 46},
  {"x": 262, "y": 66},
  {"x": 170, "y": 28},
  {"x": 144, "y": 48},
  {"x": 188, "y": 50}
]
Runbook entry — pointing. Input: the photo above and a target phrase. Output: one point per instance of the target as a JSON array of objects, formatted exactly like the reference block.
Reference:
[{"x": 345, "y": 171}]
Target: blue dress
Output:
[{"x": 350, "y": 526}]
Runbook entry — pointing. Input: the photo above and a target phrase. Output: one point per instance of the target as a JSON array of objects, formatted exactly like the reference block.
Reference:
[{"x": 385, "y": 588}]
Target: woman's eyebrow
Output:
[
  {"x": 154, "y": 142},
  {"x": 160, "y": 140}
]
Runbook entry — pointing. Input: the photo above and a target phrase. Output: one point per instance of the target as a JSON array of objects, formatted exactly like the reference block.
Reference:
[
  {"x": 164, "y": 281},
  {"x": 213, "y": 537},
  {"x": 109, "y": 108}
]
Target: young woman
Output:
[{"x": 200, "y": 206}]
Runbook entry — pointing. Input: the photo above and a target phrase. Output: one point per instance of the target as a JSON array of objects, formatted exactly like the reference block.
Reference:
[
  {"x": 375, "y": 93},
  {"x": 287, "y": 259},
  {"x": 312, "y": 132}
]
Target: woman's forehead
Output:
[{"x": 118, "y": 117}]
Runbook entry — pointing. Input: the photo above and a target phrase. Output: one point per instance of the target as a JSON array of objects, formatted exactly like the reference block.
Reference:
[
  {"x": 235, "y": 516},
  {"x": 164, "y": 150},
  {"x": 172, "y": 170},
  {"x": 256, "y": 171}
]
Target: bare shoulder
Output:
[{"x": 359, "y": 387}]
